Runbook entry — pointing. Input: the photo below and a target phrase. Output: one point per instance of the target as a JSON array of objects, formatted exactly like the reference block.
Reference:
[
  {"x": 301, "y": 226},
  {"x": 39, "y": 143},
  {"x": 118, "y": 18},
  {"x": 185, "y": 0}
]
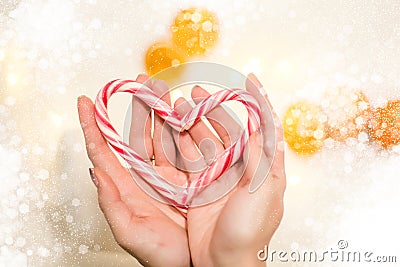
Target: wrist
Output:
[{"x": 237, "y": 257}]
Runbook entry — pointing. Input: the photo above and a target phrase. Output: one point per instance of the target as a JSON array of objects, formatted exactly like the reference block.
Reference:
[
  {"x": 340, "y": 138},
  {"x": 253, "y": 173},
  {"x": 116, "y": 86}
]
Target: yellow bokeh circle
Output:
[
  {"x": 304, "y": 127},
  {"x": 162, "y": 55},
  {"x": 195, "y": 30}
]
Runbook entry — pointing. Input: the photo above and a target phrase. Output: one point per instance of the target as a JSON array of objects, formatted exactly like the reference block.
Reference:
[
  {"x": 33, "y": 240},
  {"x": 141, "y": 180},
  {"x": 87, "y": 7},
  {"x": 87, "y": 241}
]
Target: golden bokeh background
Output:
[{"x": 53, "y": 51}]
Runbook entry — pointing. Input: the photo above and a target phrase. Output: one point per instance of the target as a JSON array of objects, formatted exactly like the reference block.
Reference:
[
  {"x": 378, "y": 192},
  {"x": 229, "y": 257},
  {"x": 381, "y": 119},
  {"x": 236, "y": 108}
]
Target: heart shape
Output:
[{"x": 179, "y": 196}]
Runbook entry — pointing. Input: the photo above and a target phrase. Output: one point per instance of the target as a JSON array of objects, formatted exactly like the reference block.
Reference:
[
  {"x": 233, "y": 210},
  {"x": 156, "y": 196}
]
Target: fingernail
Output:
[
  {"x": 257, "y": 83},
  {"x": 144, "y": 79},
  {"x": 255, "y": 80},
  {"x": 79, "y": 98},
  {"x": 141, "y": 75},
  {"x": 160, "y": 87},
  {"x": 181, "y": 99},
  {"x": 93, "y": 177},
  {"x": 196, "y": 87}
]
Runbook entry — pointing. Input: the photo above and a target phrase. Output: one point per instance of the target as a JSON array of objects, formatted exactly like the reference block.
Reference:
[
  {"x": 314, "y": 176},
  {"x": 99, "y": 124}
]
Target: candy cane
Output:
[{"x": 179, "y": 196}]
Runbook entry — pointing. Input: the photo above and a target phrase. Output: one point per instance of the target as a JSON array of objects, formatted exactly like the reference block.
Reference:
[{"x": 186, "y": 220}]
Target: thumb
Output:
[{"x": 115, "y": 210}]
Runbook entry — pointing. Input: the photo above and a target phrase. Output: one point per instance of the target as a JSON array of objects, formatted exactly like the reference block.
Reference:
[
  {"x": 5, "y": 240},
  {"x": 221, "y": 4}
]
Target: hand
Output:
[
  {"x": 153, "y": 232},
  {"x": 230, "y": 231}
]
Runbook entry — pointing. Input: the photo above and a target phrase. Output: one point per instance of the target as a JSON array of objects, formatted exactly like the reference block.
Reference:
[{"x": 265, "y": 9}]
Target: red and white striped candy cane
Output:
[{"x": 179, "y": 196}]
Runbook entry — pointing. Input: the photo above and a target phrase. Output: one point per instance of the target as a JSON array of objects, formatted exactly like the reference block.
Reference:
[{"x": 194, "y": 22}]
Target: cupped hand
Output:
[
  {"x": 153, "y": 232},
  {"x": 226, "y": 232},
  {"x": 231, "y": 230}
]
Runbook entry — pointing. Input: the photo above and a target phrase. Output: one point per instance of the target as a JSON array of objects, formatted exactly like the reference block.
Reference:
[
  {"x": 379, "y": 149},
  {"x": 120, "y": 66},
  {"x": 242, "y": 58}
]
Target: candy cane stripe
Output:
[{"x": 180, "y": 197}]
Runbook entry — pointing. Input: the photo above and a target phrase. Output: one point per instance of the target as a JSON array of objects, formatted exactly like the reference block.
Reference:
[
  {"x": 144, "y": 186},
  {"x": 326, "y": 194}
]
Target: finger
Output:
[
  {"x": 137, "y": 228},
  {"x": 259, "y": 171},
  {"x": 262, "y": 209},
  {"x": 219, "y": 187},
  {"x": 206, "y": 141},
  {"x": 257, "y": 176},
  {"x": 163, "y": 142},
  {"x": 117, "y": 213},
  {"x": 256, "y": 163},
  {"x": 270, "y": 123},
  {"x": 98, "y": 151},
  {"x": 262, "y": 96},
  {"x": 190, "y": 156},
  {"x": 96, "y": 146},
  {"x": 225, "y": 126},
  {"x": 140, "y": 130}
]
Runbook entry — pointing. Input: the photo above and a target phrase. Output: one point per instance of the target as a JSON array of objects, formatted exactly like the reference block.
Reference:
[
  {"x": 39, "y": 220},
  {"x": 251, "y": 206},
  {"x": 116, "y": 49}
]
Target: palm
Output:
[
  {"x": 144, "y": 234},
  {"x": 228, "y": 225},
  {"x": 153, "y": 232},
  {"x": 241, "y": 223}
]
